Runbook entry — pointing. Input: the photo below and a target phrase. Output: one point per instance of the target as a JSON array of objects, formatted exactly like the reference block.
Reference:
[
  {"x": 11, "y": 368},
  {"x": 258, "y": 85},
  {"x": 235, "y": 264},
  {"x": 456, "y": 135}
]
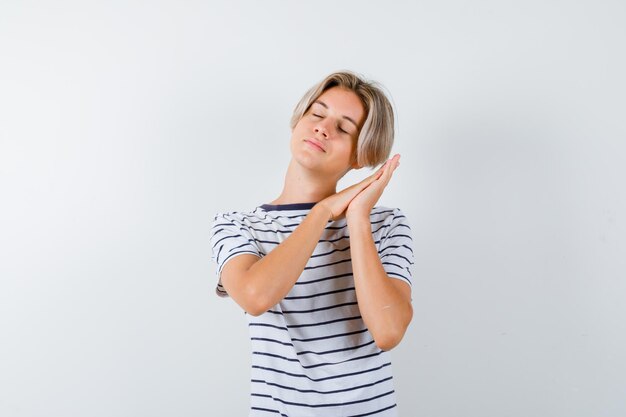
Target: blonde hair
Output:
[{"x": 376, "y": 136}]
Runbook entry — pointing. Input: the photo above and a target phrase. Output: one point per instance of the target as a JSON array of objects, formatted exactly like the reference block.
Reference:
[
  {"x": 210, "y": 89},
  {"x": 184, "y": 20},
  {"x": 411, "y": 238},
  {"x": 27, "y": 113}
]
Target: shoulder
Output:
[
  {"x": 387, "y": 214},
  {"x": 389, "y": 222},
  {"x": 234, "y": 217},
  {"x": 233, "y": 233},
  {"x": 231, "y": 223}
]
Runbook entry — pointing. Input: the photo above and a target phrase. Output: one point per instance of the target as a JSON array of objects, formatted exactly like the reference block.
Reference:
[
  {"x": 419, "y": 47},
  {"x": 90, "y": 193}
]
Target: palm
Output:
[
  {"x": 364, "y": 202},
  {"x": 367, "y": 198},
  {"x": 360, "y": 197}
]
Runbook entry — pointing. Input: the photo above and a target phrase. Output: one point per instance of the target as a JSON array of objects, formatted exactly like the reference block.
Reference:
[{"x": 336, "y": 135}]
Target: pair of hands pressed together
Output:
[
  {"x": 384, "y": 303},
  {"x": 257, "y": 284},
  {"x": 359, "y": 199}
]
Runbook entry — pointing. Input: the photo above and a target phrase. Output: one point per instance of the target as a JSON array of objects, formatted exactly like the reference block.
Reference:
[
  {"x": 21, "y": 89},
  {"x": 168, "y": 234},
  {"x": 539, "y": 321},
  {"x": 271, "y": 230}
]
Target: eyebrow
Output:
[{"x": 345, "y": 117}]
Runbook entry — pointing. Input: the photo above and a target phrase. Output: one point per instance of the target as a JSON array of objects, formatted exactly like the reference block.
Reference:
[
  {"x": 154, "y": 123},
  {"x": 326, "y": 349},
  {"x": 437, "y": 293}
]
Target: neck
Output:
[{"x": 304, "y": 186}]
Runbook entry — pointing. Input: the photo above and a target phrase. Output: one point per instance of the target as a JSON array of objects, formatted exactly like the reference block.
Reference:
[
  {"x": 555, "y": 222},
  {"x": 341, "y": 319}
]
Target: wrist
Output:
[
  {"x": 356, "y": 217},
  {"x": 322, "y": 210},
  {"x": 357, "y": 213}
]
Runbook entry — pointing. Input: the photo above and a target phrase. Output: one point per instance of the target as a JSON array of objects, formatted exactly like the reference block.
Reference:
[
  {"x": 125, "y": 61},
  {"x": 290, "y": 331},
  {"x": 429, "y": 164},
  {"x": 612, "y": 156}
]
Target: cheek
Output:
[
  {"x": 348, "y": 148},
  {"x": 353, "y": 147},
  {"x": 294, "y": 140},
  {"x": 299, "y": 128}
]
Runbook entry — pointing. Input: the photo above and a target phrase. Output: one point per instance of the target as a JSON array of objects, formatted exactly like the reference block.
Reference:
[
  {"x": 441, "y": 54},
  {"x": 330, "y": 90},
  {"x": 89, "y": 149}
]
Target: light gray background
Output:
[{"x": 125, "y": 126}]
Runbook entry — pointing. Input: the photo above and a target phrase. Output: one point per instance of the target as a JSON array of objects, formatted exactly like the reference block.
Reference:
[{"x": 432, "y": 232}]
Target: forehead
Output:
[{"x": 344, "y": 102}]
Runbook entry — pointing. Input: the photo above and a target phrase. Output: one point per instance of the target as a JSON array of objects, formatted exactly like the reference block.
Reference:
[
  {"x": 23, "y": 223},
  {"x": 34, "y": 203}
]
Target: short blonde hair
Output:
[{"x": 376, "y": 136}]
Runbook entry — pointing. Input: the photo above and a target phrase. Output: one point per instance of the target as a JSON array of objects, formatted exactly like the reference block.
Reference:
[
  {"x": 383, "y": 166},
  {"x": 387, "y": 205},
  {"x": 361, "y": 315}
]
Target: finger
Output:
[
  {"x": 358, "y": 187},
  {"x": 384, "y": 178},
  {"x": 395, "y": 164},
  {"x": 395, "y": 161},
  {"x": 380, "y": 171},
  {"x": 392, "y": 165},
  {"x": 389, "y": 164},
  {"x": 355, "y": 189},
  {"x": 376, "y": 175}
]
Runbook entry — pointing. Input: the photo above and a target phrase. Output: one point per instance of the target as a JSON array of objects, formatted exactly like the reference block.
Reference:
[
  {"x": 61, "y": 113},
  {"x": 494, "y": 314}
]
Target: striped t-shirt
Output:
[{"x": 312, "y": 354}]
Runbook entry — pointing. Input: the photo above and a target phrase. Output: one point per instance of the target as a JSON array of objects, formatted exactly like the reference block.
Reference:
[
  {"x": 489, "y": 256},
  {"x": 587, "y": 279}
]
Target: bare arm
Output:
[
  {"x": 384, "y": 302},
  {"x": 256, "y": 284}
]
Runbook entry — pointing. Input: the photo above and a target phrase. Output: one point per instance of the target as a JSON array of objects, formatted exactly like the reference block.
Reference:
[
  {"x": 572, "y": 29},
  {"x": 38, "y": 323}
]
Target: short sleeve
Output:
[
  {"x": 230, "y": 237},
  {"x": 396, "y": 247}
]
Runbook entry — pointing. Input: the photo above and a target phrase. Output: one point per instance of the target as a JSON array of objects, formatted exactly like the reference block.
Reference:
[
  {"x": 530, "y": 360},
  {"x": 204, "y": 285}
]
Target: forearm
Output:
[
  {"x": 385, "y": 309},
  {"x": 270, "y": 279}
]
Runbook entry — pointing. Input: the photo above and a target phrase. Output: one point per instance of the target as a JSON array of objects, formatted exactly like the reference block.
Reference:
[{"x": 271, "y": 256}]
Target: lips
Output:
[{"x": 316, "y": 144}]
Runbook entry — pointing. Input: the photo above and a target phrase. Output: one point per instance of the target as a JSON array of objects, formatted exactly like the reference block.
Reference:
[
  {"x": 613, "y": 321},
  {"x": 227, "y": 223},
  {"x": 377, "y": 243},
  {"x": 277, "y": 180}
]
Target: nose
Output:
[{"x": 321, "y": 129}]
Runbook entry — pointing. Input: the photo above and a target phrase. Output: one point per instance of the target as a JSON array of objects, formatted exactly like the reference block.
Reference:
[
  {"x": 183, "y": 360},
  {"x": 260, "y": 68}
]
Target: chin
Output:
[{"x": 308, "y": 161}]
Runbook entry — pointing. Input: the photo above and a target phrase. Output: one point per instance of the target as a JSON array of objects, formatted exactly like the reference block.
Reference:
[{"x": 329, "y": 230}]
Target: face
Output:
[{"x": 325, "y": 138}]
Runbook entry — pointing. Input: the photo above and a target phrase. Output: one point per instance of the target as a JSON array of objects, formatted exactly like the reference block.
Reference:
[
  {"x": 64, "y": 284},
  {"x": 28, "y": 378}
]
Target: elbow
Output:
[
  {"x": 255, "y": 313},
  {"x": 248, "y": 291},
  {"x": 390, "y": 335},
  {"x": 255, "y": 309},
  {"x": 255, "y": 301},
  {"x": 388, "y": 341}
]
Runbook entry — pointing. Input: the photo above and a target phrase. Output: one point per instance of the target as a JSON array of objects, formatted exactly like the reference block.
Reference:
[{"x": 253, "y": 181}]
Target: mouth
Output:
[{"x": 315, "y": 144}]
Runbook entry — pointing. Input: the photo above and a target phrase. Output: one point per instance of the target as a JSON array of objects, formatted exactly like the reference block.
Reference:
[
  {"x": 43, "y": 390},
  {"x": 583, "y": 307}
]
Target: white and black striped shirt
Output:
[{"x": 312, "y": 354}]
